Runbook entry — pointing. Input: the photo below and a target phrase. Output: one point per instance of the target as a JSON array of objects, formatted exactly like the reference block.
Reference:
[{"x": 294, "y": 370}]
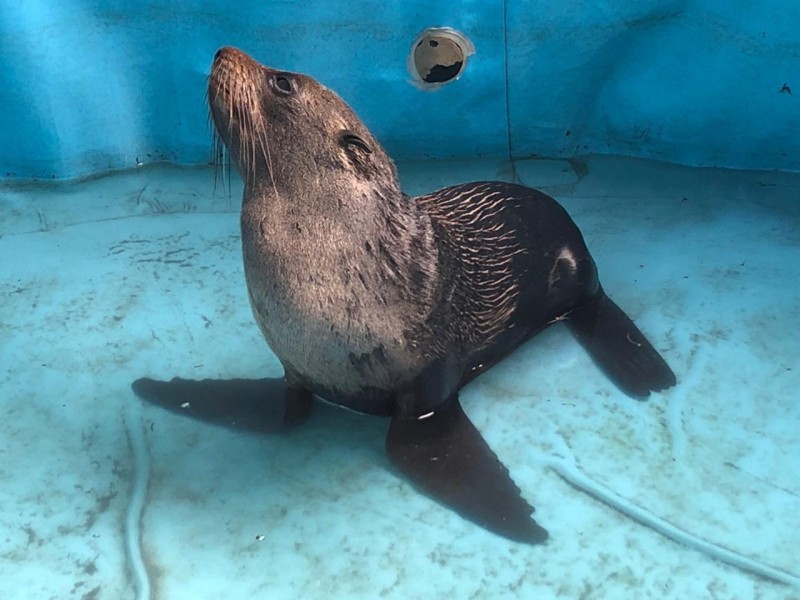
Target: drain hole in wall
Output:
[{"x": 439, "y": 56}]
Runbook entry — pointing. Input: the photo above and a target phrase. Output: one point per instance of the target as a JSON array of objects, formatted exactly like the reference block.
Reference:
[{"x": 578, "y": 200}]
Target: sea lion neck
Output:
[{"x": 296, "y": 212}]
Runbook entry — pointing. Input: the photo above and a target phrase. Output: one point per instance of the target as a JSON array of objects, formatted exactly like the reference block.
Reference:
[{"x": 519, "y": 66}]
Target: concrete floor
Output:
[{"x": 692, "y": 494}]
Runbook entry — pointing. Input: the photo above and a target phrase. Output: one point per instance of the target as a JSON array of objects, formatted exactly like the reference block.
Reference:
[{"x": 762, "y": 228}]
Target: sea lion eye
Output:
[
  {"x": 282, "y": 85},
  {"x": 348, "y": 138}
]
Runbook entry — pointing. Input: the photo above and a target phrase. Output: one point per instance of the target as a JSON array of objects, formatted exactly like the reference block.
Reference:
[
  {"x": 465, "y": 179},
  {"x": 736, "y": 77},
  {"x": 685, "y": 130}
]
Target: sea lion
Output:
[{"x": 388, "y": 304}]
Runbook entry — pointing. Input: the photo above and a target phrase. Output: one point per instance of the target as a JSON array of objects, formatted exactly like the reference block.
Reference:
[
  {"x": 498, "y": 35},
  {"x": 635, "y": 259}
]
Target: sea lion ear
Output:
[
  {"x": 358, "y": 152},
  {"x": 353, "y": 143}
]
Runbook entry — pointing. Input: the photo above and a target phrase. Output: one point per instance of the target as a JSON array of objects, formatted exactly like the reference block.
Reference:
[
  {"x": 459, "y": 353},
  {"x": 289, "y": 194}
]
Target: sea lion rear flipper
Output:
[
  {"x": 619, "y": 348},
  {"x": 446, "y": 458},
  {"x": 259, "y": 405}
]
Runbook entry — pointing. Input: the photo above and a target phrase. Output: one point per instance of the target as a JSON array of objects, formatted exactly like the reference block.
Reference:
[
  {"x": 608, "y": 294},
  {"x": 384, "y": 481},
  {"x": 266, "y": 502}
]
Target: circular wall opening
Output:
[{"x": 438, "y": 56}]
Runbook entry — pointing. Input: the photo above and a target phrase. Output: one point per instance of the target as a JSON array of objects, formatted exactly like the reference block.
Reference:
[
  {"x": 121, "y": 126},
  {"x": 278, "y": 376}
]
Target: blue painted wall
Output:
[
  {"x": 87, "y": 86},
  {"x": 699, "y": 82}
]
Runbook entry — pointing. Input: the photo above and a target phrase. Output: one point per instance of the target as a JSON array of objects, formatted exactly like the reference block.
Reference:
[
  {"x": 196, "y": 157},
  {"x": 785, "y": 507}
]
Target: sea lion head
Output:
[{"x": 286, "y": 130}]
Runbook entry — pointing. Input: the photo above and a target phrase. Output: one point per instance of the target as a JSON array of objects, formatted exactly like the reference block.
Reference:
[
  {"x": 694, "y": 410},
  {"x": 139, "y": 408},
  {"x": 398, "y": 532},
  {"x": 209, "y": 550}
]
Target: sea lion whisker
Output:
[
  {"x": 264, "y": 138},
  {"x": 218, "y": 149},
  {"x": 248, "y": 109},
  {"x": 243, "y": 114},
  {"x": 246, "y": 142}
]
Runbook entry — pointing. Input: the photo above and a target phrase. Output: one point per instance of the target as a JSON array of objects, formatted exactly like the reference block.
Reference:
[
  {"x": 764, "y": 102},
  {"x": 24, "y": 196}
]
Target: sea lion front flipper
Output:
[
  {"x": 446, "y": 458},
  {"x": 259, "y": 405},
  {"x": 619, "y": 348}
]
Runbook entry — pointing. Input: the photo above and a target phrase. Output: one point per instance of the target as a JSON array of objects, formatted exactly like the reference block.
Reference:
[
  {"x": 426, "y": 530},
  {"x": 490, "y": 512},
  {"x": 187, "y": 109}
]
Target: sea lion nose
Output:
[
  {"x": 222, "y": 52},
  {"x": 234, "y": 55},
  {"x": 229, "y": 52}
]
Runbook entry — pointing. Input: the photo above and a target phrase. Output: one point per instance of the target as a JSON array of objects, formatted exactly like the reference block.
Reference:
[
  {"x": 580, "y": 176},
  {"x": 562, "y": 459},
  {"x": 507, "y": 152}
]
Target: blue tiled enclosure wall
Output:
[{"x": 88, "y": 86}]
